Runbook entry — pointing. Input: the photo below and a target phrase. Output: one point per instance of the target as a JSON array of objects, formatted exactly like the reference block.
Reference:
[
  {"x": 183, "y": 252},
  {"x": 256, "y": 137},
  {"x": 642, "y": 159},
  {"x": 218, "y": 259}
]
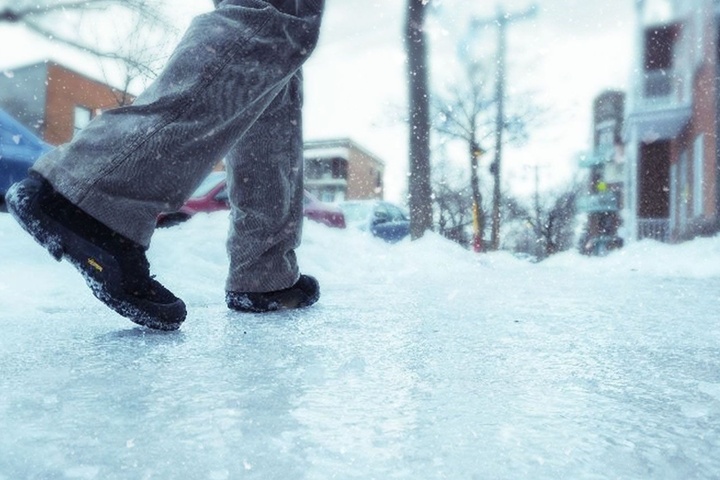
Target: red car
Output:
[{"x": 212, "y": 196}]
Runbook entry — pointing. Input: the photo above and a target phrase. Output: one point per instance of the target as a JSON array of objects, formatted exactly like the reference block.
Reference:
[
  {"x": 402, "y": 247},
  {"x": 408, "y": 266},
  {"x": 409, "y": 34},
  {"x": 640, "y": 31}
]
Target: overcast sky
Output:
[
  {"x": 355, "y": 82},
  {"x": 567, "y": 54}
]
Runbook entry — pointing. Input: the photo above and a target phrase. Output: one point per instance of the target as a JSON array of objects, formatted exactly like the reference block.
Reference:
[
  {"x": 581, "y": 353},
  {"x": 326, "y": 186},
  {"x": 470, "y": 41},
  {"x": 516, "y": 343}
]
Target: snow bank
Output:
[
  {"x": 191, "y": 260},
  {"x": 699, "y": 258}
]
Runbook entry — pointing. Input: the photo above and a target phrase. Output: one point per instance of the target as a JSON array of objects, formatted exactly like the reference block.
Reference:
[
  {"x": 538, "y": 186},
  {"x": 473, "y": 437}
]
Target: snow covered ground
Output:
[{"x": 422, "y": 361}]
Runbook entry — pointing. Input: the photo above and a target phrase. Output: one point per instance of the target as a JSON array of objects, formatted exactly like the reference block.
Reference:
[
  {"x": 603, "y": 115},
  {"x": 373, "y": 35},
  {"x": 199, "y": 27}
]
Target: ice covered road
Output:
[{"x": 422, "y": 361}]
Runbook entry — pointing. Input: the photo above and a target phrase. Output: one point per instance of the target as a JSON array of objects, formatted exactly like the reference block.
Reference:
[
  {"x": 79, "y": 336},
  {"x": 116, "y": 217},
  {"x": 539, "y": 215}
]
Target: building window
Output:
[
  {"x": 313, "y": 168},
  {"x": 83, "y": 116},
  {"x": 339, "y": 168},
  {"x": 659, "y": 56},
  {"x": 606, "y": 138},
  {"x": 698, "y": 177},
  {"x": 326, "y": 168}
]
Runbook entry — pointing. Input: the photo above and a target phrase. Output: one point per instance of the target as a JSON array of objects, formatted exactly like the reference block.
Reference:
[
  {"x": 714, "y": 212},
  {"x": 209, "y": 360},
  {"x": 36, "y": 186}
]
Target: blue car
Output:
[
  {"x": 19, "y": 148},
  {"x": 383, "y": 219}
]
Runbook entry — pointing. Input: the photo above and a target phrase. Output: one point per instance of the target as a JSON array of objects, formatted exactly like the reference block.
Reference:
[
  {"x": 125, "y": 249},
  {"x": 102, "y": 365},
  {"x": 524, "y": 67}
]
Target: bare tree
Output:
[
  {"x": 420, "y": 201},
  {"x": 142, "y": 52},
  {"x": 459, "y": 114},
  {"x": 551, "y": 220},
  {"x": 51, "y": 19},
  {"x": 453, "y": 200},
  {"x": 465, "y": 111}
]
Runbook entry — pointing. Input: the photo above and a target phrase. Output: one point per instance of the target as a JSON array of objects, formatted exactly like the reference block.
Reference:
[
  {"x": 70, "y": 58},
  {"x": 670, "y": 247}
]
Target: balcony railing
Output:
[
  {"x": 662, "y": 89},
  {"x": 658, "y": 83},
  {"x": 599, "y": 202},
  {"x": 661, "y": 106},
  {"x": 600, "y": 156},
  {"x": 326, "y": 182},
  {"x": 654, "y": 228}
]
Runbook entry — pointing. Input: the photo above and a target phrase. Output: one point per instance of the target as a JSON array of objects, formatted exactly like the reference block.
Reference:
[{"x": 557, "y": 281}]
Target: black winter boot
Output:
[
  {"x": 304, "y": 293},
  {"x": 114, "y": 267}
]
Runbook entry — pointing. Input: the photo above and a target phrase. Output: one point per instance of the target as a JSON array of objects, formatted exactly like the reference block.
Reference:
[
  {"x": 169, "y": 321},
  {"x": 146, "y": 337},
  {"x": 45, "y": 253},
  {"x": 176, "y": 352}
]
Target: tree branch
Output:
[{"x": 144, "y": 69}]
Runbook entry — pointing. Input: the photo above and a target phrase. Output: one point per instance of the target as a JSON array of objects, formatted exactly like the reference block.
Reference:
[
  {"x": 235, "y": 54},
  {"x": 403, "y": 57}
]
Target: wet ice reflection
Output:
[{"x": 432, "y": 364}]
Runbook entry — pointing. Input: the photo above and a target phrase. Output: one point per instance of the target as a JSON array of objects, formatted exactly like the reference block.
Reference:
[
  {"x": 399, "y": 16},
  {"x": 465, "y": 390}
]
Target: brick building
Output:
[
  {"x": 671, "y": 124},
  {"x": 340, "y": 169},
  {"x": 54, "y": 101}
]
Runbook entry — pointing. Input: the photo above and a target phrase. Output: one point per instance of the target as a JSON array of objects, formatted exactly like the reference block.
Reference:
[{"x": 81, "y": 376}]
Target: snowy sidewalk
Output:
[{"x": 422, "y": 361}]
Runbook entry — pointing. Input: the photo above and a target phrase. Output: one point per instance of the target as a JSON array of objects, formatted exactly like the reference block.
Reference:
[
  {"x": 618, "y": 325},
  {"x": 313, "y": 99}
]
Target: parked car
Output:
[
  {"x": 19, "y": 148},
  {"x": 212, "y": 196},
  {"x": 322, "y": 212},
  {"x": 382, "y": 219}
]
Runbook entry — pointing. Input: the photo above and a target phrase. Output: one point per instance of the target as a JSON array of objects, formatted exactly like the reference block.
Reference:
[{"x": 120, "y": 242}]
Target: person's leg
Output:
[
  {"x": 265, "y": 180},
  {"x": 133, "y": 162}
]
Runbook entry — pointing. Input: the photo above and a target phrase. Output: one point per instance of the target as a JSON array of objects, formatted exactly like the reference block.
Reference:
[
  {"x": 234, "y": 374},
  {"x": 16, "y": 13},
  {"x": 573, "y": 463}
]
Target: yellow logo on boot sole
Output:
[{"x": 93, "y": 263}]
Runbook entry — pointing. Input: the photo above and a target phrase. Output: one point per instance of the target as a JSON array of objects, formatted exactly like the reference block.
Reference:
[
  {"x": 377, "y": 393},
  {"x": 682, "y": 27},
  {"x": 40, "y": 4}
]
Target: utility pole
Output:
[
  {"x": 502, "y": 20},
  {"x": 478, "y": 224}
]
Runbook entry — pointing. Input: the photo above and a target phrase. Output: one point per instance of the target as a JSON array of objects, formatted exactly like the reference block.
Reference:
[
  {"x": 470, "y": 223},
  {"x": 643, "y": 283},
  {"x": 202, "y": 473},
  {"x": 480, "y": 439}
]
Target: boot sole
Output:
[
  {"x": 289, "y": 299},
  {"x": 98, "y": 268}
]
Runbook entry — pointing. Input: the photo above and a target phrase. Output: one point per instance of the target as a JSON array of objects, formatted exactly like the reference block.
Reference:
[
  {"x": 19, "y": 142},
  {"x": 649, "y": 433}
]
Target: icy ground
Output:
[{"x": 422, "y": 361}]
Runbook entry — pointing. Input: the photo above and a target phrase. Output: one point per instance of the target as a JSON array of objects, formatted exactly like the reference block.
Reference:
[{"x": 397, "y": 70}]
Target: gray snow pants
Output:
[{"x": 231, "y": 89}]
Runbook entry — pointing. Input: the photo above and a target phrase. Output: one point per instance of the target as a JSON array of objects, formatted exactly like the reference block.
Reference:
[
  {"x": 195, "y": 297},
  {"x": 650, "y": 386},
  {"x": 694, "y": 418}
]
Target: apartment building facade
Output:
[
  {"x": 54, "y": 101},
  {"x": 671, "y": 126},
  {"x": 603, "y": 199},
  {"x": 340, "y": 169}
]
